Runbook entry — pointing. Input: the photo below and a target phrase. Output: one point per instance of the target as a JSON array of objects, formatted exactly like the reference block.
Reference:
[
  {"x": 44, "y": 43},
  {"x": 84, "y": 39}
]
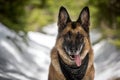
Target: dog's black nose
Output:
[{"x": 73, "y": 50}]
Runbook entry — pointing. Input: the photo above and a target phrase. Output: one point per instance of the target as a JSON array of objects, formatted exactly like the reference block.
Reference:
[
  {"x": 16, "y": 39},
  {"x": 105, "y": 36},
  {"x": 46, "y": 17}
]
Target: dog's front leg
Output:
[
  {"x": 90, "y": 74},
  {"x": 56, "y": 70}
]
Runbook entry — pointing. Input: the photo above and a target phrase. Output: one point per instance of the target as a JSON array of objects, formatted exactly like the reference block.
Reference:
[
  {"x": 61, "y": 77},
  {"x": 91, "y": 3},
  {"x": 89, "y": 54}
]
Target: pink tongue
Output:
[{"x": 77, "y": 60}]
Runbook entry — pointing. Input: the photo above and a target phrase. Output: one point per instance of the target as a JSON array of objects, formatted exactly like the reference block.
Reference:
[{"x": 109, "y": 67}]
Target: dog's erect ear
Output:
[
  {"x": 84, "y": 18},
  {"x": 63, "y": 18}
]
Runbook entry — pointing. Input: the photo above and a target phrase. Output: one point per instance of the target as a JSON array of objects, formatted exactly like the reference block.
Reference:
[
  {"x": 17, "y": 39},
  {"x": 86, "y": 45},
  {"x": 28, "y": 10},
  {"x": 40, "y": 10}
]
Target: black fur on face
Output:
[{"x": 73, "y": 43}]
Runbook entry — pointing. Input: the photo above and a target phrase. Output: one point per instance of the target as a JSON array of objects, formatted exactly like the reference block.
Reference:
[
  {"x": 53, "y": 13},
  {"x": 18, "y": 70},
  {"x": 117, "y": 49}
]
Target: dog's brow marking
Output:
[{"x": 73, "y": 25}]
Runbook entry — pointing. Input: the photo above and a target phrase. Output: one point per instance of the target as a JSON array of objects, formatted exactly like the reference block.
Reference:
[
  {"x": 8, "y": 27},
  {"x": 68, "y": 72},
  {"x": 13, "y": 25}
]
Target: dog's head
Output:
[{"x": 73, "y": 35}]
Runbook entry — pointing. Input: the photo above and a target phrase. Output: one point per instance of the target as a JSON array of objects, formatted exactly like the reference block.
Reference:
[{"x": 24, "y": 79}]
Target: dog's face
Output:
[
  {"x": 73, "y": 43},
  {"x": 73, "y": 35}
]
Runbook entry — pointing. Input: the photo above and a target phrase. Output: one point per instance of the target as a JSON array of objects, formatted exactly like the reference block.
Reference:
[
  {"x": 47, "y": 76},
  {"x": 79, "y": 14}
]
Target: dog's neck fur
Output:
[{"x": 74, "y": 72}]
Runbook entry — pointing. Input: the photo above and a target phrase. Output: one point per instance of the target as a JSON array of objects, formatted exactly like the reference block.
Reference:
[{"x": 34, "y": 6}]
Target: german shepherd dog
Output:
[{"x": 72, "y": 56}]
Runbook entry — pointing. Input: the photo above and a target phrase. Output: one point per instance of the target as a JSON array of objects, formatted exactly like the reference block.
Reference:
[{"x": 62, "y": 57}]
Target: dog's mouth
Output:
[
  {"x": 72, "y": 57},
  {"x": 75, "y": 55},
  {"x": 77, "y": 59}
]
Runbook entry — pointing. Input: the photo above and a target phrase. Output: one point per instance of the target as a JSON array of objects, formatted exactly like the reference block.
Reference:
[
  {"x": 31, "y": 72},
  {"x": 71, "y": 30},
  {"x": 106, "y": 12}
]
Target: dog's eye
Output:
[
  {"x": 79, "y": 36},
  {"x": 68, "y": 36}
]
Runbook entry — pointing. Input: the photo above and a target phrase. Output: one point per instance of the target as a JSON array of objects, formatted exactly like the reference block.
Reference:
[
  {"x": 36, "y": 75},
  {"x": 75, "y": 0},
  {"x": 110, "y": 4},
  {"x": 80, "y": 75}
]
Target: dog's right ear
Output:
[{"x": 63, "y": 18}]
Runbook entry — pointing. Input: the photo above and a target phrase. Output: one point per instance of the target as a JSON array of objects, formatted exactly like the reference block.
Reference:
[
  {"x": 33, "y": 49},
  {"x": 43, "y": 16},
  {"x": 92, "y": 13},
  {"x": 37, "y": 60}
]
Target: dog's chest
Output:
[{"x": 73, "y": 72}]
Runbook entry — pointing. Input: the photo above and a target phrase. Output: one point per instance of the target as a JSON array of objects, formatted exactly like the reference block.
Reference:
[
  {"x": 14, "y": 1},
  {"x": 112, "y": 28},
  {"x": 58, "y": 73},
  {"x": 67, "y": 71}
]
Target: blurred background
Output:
[{"x": 28, "y": 31}]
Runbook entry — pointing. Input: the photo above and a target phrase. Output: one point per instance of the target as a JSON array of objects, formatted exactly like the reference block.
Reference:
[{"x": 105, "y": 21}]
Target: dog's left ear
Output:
[{"x": 84, "y": 18}]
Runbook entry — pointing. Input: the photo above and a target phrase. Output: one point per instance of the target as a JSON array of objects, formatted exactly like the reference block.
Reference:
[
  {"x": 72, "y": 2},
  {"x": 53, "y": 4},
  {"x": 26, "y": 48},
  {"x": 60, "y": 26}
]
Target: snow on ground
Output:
[
  {"x": 23, "y": 59},
  {"x": 107, "y": 61},
  {"x": 42, "y": 39},
  {"x": 28, "y": 58}
]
